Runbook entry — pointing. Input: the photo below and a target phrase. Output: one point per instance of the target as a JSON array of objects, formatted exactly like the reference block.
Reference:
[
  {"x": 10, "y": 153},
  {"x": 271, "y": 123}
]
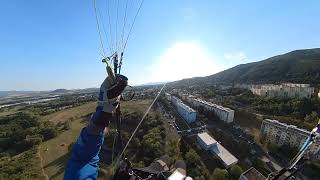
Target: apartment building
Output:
[
  {"x": 208, "y": 143},
  {"x": 223, "y": 113},
  {"x": 286, "y": 90},
  {"x": 281, "y": 133},
  {"x": 187, "y": 113},
  {"x": 175, "y": 100}
]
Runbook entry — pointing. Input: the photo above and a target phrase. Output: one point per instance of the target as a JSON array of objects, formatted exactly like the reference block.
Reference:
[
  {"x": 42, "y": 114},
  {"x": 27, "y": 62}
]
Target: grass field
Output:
[
  {"x": 55, "y": 151},
  {"x": 8, "y": 112},
  {"x": 22, "y": 166},
  {"x": 136, "y": 105},
  {"x": 72, "y": 113}
]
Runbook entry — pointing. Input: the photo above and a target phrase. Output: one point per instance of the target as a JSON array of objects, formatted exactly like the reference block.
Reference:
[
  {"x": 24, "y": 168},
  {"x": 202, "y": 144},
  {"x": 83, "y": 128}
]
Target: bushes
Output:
[
  {"x": 48, "y": 133},
  {"x": 21, "y": 131},
  {"x": 173, "y": 149},
  {"x": 192, "y": 158},
  {"x": 235, "y": 172},
  {"x": 24, "y": 166},
  {"x": 152, "y": 144},
  {"x": 220, "y": 174}
]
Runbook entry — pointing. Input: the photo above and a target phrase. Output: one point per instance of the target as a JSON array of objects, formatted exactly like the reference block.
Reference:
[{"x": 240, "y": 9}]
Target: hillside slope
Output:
[{"x": 300, "y": 66}]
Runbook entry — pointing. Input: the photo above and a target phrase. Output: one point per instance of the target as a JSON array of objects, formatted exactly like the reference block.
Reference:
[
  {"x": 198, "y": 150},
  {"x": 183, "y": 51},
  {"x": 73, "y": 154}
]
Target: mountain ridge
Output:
[{"x": 298, "y": 66}]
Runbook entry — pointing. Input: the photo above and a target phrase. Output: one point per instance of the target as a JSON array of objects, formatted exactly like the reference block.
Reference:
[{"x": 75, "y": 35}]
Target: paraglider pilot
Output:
[{"x": 83, "y": 163}]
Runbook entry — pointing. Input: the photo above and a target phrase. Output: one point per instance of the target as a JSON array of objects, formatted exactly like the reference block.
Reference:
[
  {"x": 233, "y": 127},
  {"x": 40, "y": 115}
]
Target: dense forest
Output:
[{"x": 22, "y": 133}]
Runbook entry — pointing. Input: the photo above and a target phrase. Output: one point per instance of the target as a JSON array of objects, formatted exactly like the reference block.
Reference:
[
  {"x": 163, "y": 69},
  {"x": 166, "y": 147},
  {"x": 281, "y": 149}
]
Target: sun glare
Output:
[{"x": 184, "y": 60}]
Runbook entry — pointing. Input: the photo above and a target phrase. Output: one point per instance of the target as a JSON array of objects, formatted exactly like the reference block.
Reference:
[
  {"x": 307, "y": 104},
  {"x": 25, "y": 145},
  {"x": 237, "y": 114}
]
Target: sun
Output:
[{"x": 184, "y": 60}]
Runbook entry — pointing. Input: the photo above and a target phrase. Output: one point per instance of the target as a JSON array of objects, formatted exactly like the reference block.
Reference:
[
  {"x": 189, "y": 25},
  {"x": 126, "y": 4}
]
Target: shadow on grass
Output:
[
  {"x": 85, "y": 118},
  {"x": 60, "y": 164}
]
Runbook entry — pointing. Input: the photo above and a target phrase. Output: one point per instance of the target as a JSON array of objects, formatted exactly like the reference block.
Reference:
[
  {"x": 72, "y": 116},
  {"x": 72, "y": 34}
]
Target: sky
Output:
[{"x": 51, "y": 44}]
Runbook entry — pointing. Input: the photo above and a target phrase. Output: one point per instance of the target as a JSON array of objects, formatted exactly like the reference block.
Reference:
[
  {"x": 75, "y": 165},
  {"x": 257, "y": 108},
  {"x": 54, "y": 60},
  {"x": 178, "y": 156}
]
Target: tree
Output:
[
  {"x": 173, "y": 149},
  {"x": 192, "y": 157},
  {"x": 49, "y": 133},
  {"x": 184, "y": 148},
  {"x": 313, "y": 117},
  {"x": 152, "y": 145},
  {"x": 135, "y": 143},
  {"x": 67, "y": 125},
  {"x": 220, "y": 174},
  {"x": 235, "y": 171}
]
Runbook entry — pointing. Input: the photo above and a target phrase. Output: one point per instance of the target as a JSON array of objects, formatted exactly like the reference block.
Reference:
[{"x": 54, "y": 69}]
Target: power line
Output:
[{"x": 142, "y": 119}]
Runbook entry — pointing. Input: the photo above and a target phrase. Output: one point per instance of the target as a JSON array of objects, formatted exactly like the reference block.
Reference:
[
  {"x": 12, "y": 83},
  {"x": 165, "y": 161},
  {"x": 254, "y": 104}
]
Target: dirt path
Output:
[{"x": 44, "y": 175}]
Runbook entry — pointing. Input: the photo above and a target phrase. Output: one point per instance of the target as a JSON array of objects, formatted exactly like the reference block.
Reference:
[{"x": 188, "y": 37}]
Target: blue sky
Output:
[{"x": 55, "y": 44}]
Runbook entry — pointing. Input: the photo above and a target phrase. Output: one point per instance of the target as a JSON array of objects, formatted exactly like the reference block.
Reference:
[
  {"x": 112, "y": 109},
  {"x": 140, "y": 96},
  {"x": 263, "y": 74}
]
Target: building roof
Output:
[
  {"x": 253, "y": 174},
  {"x": 177, "y": 175},
  {"x": 187, "y": 108},
  {"x": 214, "y": 105},
  {"x": 227, "y": 158},
  {"x": 206, "y": 138}
]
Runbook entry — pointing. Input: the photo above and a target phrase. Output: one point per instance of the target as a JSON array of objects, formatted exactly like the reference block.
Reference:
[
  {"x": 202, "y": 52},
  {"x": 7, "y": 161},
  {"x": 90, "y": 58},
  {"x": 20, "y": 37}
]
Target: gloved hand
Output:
[
  {"x": 109, "y": 97},
  {"x": 110, "y": 92}
]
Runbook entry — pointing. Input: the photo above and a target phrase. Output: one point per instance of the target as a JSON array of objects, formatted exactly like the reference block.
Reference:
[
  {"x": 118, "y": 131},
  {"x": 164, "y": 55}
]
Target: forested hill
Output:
[{"x": 300, "y": 66}]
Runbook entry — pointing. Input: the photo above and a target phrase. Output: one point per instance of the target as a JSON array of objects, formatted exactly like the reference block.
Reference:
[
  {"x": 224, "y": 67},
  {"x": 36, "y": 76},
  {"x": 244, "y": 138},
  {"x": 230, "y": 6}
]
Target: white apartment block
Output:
[
  {"x": 208, "y": 143},
  {"x": 187, "y": 113},
  {"x": 288, "y": 90},
  {"x": 175, "y": 100},
  {"x": 281, "y": 133},
  {"x": 223, "y": 113}
]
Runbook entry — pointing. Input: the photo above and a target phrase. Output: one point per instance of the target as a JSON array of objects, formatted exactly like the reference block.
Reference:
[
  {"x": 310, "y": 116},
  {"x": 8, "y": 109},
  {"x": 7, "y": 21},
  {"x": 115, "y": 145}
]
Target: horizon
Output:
[
  {"x": 152, "y": 83},
  {"x": 55, "y": 45}
]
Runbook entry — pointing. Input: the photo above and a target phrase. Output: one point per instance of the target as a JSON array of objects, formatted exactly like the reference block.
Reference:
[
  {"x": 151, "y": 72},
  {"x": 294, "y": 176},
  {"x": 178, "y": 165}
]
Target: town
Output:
[
  {"x": 189, "y": 105},
  {"x": 160, "y": 90},
  {"x": 213, "y": 120}
]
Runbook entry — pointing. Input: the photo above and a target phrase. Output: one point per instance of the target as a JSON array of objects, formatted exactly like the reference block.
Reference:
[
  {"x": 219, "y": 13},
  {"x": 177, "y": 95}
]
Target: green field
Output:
[
  {"x": 55, "y": 151},
  {"x": 136, "y": 105},
  {"x": 26, "y": 165},
  {"x": 8, "y": 112},
  {"x": 72, "y": 113}
]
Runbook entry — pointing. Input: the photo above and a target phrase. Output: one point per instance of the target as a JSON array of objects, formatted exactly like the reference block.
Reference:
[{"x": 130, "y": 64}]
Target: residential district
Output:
[
  {"x": 187, "y": 105},
  {"x": 203, "y": 120}
]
